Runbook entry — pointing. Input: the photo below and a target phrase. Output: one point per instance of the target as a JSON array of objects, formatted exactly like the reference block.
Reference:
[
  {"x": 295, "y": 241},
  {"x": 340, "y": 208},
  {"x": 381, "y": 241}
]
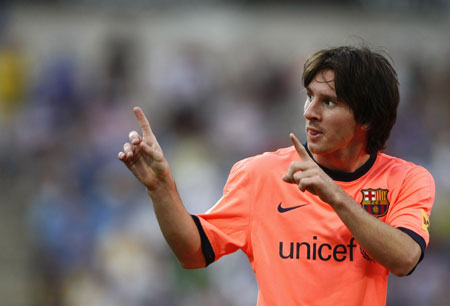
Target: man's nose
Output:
[{"x": 312, "y": 110}]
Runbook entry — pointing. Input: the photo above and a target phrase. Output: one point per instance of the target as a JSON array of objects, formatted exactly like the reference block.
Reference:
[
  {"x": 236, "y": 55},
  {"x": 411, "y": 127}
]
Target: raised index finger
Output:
[
  {"x": 299, "y": 147},
  {"x": 143, "y": 122}
]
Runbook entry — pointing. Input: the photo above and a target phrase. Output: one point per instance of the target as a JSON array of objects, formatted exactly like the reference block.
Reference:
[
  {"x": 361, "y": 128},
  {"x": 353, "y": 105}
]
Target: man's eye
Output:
[
  {"x": 310, "y": 97},
  {"x": 330, "y": 103}
]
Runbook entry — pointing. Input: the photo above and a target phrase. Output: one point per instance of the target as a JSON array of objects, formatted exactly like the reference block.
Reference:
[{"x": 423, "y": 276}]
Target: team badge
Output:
[{"x": 375, "y": 201}]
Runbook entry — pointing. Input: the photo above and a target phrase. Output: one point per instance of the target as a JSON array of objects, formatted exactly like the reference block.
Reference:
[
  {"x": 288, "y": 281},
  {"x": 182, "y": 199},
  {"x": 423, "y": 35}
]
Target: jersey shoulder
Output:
[
  {"x": 268, "y": 160},
  {"x": 398, "y": 167}
]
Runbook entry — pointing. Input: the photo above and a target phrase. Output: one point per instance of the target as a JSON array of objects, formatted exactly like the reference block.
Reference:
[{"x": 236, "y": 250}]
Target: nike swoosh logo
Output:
[{"x": 285, "y": 209}]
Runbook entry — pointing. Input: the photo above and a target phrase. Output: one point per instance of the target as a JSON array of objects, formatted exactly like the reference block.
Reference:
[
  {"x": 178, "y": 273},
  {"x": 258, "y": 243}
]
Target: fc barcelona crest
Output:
[{"x": 375, "y": 201}]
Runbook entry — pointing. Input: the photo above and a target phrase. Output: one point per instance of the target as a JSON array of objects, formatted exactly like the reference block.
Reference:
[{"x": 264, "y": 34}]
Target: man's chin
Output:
[{"x": 316, "y": 148}]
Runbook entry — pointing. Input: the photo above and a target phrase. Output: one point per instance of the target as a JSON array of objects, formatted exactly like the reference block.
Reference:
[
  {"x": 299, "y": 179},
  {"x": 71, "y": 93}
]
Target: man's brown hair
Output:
[{"x": 364, "y": 80}]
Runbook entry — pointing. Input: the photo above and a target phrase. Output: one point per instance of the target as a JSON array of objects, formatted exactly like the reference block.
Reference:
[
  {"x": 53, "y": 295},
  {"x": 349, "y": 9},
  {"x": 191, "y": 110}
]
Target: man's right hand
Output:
[
  {"x": 143, "y": 156},
  {"x": 145, "y": 159}
]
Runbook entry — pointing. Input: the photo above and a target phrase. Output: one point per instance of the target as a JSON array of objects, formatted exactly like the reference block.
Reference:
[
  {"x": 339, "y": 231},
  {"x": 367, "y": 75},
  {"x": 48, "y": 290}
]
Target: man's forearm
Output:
[
  {"x": 177, "y": 226},
  {"x": 389, "y": 246}
]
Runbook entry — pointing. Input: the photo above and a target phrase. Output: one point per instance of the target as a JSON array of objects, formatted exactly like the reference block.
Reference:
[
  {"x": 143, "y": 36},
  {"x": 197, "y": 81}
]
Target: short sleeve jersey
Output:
[{"x": 300, "y": 250}]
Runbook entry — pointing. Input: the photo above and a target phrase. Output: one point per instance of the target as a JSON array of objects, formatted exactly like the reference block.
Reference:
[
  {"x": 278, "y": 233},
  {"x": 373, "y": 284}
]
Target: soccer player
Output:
[{"x": 322, "y": 223}]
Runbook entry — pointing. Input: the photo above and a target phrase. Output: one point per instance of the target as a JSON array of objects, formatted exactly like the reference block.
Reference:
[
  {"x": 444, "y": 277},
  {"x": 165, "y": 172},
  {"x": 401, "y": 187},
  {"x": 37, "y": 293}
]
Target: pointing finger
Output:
[
  {"x": 299, "y": 147},
  {"x": 143, "y": 122}
]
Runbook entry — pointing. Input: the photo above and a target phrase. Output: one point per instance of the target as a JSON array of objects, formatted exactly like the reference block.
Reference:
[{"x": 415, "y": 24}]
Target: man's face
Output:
[{"x": 330, "y": 124}]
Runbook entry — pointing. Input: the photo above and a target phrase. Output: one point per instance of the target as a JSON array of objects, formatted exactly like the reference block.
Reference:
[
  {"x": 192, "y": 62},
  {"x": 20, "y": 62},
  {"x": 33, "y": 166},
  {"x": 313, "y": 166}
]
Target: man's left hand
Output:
[{"x": 310, "y": 177}]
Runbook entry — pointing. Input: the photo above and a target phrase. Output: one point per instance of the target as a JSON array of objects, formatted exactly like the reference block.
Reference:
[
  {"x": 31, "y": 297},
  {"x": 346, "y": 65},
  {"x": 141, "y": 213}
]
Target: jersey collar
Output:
[{"x": 343, "y": 176}]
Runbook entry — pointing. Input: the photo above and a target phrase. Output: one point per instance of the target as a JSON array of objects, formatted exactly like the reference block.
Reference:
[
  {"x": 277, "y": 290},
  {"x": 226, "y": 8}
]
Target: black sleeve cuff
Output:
[
  {"x": 207, "y": 249},
  {"x": 417, "y": 238}
]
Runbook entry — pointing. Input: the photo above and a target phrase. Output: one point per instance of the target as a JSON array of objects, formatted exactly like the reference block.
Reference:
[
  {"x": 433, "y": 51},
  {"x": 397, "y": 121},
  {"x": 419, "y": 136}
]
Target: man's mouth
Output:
[{"x": 313, "y": 132}]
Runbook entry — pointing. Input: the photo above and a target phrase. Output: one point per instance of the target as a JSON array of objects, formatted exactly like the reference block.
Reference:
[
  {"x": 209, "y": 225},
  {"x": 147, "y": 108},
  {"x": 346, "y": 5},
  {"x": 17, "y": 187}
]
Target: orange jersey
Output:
[{"x": 300, "y": 250}]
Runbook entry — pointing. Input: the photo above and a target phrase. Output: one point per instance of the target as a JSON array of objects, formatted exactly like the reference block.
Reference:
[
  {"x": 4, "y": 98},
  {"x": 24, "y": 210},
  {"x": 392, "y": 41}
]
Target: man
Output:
[{"x": 321, "y": 224}]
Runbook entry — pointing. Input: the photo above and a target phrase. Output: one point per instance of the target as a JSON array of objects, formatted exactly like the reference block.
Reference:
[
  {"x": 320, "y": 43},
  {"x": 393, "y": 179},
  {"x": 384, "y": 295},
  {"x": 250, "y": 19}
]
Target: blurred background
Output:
[{"x": 219, "y": 81}]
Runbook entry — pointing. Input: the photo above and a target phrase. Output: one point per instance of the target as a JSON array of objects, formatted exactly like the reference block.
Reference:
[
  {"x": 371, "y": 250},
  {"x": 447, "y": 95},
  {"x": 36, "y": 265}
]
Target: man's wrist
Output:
[
  {"x": 341, "y": 200},
  {"x": 161, "y": 188}
]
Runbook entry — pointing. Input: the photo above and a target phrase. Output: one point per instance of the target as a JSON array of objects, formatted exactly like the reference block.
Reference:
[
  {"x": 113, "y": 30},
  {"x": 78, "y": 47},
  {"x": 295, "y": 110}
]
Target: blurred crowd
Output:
[{"x": 92, "y": 236}]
